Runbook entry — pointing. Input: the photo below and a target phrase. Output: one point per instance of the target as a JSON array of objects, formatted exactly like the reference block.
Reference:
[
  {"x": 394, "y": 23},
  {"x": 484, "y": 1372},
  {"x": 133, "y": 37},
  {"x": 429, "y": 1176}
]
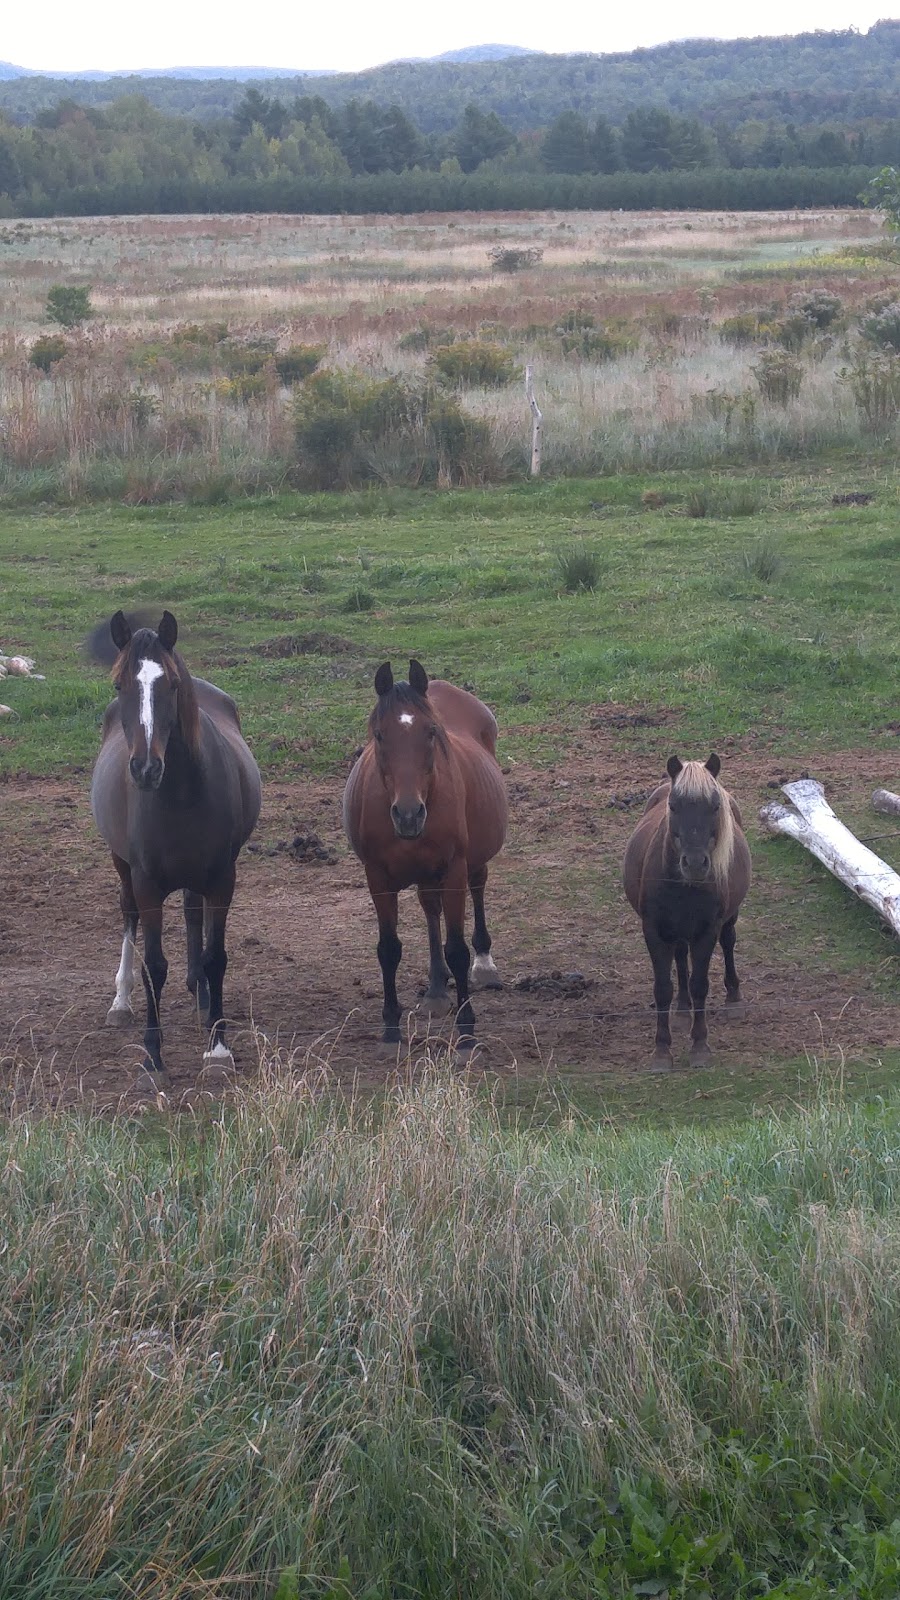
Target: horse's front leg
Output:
[
  {"x": 661, "y": 953},
  {"x": 217, "y": 903},
  {"x": 484, "y": 974},
  {"x": 683, "y": 1002},
  {"x": 121, "y": 1011},
  {"x": 728, "y": 940},
  {"x": 155, "y": 971},
  {"x": 389, "y": 952},
  {"x": 457, "y": 952},
  {"x": 193, "y": 927},
  {"x": 701, "y": 955},
  {"x": 438, "y": 970}
]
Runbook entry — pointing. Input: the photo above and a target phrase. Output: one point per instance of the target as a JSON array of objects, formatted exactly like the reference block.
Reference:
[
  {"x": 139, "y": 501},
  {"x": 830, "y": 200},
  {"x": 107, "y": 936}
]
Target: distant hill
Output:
[
  {"x": 806, "y": 78},
  {"x": 487, "y": 52}
]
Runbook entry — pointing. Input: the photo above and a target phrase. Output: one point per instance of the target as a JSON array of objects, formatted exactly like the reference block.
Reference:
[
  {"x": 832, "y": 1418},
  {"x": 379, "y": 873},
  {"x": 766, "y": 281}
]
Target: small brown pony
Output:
[
  {"x": 687, "y": 870},
  {"x": 425, "y": 804},
  {"x": 175, "y": 794}
]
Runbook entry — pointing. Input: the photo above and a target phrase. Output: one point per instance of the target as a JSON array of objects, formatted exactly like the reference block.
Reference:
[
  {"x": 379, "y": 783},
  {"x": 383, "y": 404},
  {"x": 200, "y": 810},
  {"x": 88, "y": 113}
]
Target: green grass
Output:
[
  {"x": 295, "y": 1348},
  {"x": 803, "y": 651}
]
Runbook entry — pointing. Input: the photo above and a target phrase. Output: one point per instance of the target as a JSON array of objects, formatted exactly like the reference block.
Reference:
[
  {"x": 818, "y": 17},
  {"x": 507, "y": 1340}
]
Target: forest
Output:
[{"x": 745, "y": 124}]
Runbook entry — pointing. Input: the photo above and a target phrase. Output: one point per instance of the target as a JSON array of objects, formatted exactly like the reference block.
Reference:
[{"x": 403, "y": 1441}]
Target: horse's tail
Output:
[{"x": 99, "y": 647}]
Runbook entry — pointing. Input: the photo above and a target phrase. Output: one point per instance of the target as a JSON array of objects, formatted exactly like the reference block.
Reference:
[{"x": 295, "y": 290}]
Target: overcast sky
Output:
[{"x": 109, "y": 34}]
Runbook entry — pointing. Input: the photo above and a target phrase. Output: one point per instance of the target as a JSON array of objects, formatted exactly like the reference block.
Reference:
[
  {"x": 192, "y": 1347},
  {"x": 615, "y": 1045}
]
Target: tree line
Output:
[{"x": 304, "y": 155}]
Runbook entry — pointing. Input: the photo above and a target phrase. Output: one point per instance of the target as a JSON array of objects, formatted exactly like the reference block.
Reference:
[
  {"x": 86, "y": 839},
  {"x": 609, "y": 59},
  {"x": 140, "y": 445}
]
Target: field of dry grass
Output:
[{"x": 621, "y": 316}]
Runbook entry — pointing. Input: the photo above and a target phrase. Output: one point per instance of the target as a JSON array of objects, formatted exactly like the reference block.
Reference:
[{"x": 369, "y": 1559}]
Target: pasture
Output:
[{"x": 353, "y": 1323}]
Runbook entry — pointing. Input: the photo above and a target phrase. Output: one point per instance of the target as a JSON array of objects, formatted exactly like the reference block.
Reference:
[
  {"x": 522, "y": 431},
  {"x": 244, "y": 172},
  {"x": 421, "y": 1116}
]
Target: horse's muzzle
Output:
[
  {"x": 408, "y": 820},
  {"x": 147, "y": 774},
  {"x": 695, "y": 869}
]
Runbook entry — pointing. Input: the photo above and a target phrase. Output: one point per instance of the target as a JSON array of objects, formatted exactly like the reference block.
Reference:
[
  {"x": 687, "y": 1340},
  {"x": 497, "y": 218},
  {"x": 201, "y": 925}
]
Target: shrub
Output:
[
  {"x": 68, "y": 305},
  {"x": 791, "y": 332},
  {"x": 579, "y": 567},
  {"x": 352, "y": 429},
  {"x": 247, "y": 357},
  {"x": 741, "y": 329},
  {"x": 205, "y": 334},
  {"x": 47, "y": 350},
  {"x": 873, "y": 378},
  {"x": 882, "y": 327},
  {"x": 508, "y": 258},
  {"x": 424, "y": 336},
  {"x": 299, "y": 361},
  {"x": 779, "y": 377},
  {"x": 475, "y": 364},
  {"x": 820, "y": 308},
  {"x": 243, "y": 387}
]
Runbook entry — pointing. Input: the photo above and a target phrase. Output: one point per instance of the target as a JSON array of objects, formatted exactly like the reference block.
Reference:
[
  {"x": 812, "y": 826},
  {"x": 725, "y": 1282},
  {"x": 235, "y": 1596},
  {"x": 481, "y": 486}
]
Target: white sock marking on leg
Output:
[
  {"x": 484, "y": 963},
  {"x": 125, "y": 976}
]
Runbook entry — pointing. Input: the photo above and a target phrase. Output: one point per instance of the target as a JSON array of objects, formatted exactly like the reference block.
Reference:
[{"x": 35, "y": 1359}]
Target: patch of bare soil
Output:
[{"x": 303, "y": 971}]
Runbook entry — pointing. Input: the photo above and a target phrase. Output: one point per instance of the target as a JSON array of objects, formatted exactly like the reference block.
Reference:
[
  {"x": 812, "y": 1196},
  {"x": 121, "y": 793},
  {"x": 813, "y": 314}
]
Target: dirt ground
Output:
[{"x": 303, "y": 972}]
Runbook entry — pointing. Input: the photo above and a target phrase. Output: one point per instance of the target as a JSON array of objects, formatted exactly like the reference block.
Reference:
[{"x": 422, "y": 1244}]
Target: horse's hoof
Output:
[
  {"x": 391, "y": 1036},
  {"x": 661, "y": 1062},
  {"x": 218, "y": 1056},
  {"x": 483, "y": 974},
  {"x": 119, "y": 1017},
  {"x": 700, "y": 1055},
  {"x": 735, "y": 1010},
  {"x": 436, "y": 999},
  {"x": 153, "y": 1080}
]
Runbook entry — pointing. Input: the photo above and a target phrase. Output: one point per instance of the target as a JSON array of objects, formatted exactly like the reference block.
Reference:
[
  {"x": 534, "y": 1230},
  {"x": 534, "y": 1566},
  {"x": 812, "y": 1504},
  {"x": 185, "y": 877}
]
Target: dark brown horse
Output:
[
  {"x": 175, "y": 794},
  {"x": 687, "y": 870},
  {"x": 425, "y": 804}
]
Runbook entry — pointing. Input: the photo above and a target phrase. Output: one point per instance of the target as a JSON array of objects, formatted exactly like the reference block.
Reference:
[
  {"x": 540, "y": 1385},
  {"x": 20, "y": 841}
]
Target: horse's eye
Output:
[{"x": 379, "y": 738}]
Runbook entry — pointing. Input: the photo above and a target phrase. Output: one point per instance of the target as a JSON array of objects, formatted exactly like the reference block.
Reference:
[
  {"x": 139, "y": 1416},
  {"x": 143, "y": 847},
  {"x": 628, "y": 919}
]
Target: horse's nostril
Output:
[{"x": 420, "y": 814}]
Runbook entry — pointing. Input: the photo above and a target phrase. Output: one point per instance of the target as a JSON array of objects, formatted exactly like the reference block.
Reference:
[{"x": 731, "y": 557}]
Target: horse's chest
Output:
[{"x": 686, "y": 911}]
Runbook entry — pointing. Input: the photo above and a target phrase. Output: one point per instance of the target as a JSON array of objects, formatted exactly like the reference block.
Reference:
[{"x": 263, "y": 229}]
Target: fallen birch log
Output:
[
  {"x": 885, "y": 801},
  {"x": 810, "y": 820}
]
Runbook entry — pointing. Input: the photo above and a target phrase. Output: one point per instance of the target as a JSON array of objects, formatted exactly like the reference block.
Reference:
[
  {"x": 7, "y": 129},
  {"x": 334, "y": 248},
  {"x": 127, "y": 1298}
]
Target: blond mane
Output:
[{"x": 696, "y": 782}]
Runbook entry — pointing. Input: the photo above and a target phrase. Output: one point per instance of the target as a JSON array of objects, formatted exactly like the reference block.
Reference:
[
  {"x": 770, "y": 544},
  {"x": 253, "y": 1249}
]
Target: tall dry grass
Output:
[{"x": 399, "y": 1347}]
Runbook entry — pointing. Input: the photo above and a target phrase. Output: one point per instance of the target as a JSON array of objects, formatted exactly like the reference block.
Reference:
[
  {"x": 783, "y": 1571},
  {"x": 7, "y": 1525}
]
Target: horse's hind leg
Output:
[
  {"x": 484, "y": 974},
  {"x": 196, "y": 975},
  {"x": 155, "y": 970},
  {"x": 121, "y": 1011},
  {"x": 701, "y": 955},
  {"x": 728, "y": 940},
  {"x": 457, "y": 953},
  {"x": 661, "y": 956},
  {"x": 438, "y": 970},
  {"x": 215, "y": 960},
  {"x": 389, "y": 952},
  {"x": 683, "y": 1002}
]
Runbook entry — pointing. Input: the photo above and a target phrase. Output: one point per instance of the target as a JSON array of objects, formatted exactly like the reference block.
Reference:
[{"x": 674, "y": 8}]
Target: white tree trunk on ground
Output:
[
  {"x": 888, "y": 803},
  {"x": 810, "y": 820},
  {"x": 537, "y": 422}
]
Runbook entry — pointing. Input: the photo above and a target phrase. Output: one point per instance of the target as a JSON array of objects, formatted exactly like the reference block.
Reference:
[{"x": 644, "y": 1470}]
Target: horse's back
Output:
[
  {"x": 462, "y": 712},
  {"x": 225, "y": 725},
  {"x": 640, "y": 846}
]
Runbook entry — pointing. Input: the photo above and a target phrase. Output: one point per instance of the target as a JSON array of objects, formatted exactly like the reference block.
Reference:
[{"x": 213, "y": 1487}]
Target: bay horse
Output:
[
  {"x": 425, "y": 805},
  {"x": 175, "y": 794},
  {"x": 687, "y": 871}
]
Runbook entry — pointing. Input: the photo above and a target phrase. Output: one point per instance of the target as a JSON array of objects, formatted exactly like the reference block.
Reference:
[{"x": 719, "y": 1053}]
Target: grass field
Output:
[{"x": 565, "y": 1331}]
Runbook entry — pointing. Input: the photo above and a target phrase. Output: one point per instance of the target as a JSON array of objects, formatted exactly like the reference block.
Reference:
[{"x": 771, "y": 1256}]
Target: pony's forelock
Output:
[{"x": 696, "y": 782}]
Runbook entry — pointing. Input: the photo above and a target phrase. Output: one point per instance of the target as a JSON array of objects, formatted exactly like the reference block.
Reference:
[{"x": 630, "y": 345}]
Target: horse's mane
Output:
[
  {"x": 145, "y": 642},
  {"x": 696, "y": 782},
  {"x": 403, "y": 694}
]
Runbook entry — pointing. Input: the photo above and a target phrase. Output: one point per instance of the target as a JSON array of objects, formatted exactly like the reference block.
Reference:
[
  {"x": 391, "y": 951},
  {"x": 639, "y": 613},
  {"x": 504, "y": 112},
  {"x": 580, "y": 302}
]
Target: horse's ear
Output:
[
  {"x": 418, "y": 677},
  {"x": 673, "y": 767},
  {"x": 384, "y": 679},
  {"x": 120, "y": 630},
  {"x": 714, "y": 765},
  {"x": 167, "y": 632}
]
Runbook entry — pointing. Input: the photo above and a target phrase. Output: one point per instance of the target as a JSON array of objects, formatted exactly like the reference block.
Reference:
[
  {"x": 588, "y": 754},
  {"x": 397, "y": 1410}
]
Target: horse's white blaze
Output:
[
  {"x": 147, "y": 674},
  {"x": 125, "y": 978},
  {"x": 407, "y": 718}
]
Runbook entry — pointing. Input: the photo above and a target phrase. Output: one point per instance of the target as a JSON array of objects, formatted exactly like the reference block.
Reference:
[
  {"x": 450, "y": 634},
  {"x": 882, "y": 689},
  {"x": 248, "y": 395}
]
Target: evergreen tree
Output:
[
  {"x": 567, "y": 145},
  {"x": 479, "y": 137},
  {"x": 604, "y": 147}
]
